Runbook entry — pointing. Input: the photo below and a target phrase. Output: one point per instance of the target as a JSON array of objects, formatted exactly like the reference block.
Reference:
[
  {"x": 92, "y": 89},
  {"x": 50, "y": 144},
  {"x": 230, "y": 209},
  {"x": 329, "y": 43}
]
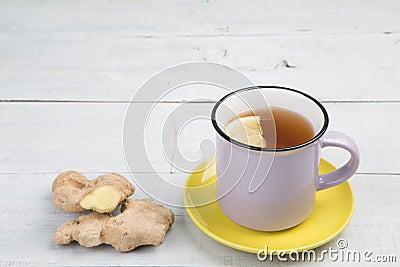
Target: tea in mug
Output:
[{"x": 260, "y": 127}]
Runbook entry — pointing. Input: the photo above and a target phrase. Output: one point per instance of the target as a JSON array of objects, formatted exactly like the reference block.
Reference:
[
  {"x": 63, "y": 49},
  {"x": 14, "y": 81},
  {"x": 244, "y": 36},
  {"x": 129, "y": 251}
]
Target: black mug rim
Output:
[{"x": 231, "y": 140}]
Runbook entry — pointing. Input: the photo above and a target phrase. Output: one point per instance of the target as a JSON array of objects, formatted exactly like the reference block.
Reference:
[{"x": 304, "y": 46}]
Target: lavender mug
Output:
[{"x": 271, "y": 189}]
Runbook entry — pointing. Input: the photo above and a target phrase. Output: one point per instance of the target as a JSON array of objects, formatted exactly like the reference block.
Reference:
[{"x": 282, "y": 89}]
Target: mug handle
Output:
[{"x": 336, "y": 139}]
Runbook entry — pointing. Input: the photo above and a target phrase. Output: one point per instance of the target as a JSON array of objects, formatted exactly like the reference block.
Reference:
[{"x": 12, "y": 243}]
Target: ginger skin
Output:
[
  {"x": 141, "y": 222},
  {"x": 73, "y": 192}
]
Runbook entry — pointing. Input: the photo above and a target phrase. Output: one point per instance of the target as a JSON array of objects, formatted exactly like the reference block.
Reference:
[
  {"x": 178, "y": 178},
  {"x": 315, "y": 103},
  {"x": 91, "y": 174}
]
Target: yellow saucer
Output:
[{"x": 332, "y": 212}]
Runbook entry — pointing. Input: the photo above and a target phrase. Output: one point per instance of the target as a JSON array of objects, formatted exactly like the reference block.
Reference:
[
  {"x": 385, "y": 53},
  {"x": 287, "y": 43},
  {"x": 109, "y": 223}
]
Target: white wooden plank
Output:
[
  {"x": 50, "y": 137},
  {"x": 28, "y": 222},
  {"x": 330, "y": 67},
  {"x": 183, "y": 18}
]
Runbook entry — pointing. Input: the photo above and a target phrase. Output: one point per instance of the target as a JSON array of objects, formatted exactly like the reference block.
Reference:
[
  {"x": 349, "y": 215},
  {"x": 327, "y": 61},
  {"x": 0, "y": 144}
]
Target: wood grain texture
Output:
[
  {"x": 198, "y": 17},
  {"x": 101, "y": 51},
  {"x": 52, "y": 137},
  {"x": 330, "y": 67}
]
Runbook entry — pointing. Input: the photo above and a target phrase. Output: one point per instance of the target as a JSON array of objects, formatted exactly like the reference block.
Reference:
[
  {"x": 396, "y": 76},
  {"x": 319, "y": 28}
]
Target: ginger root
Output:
[
  {"x": 73, "y": 192},
  {"x": 141, "y": 222}
]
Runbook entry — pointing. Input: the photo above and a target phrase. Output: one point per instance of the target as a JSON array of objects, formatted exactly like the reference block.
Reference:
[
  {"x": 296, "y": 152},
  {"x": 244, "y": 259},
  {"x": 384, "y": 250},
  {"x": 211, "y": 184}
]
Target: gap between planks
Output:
[
  {"x": 171, "y": 101},
  {"x": 295, "y": 32}
]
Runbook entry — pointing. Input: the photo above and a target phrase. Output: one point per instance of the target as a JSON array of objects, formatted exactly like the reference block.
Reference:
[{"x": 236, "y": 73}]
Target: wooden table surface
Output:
[{"x": 68, "y": 70}]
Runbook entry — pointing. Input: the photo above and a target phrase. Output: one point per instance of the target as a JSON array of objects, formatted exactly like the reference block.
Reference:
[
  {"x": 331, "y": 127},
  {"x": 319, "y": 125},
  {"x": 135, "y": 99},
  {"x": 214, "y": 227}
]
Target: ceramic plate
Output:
[{"x": 332, "y": 212}]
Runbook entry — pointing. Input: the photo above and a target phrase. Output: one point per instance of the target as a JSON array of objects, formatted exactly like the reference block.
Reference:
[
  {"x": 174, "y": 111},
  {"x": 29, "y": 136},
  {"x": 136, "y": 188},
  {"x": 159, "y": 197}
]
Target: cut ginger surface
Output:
[{"x": 73, "y": 192}]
